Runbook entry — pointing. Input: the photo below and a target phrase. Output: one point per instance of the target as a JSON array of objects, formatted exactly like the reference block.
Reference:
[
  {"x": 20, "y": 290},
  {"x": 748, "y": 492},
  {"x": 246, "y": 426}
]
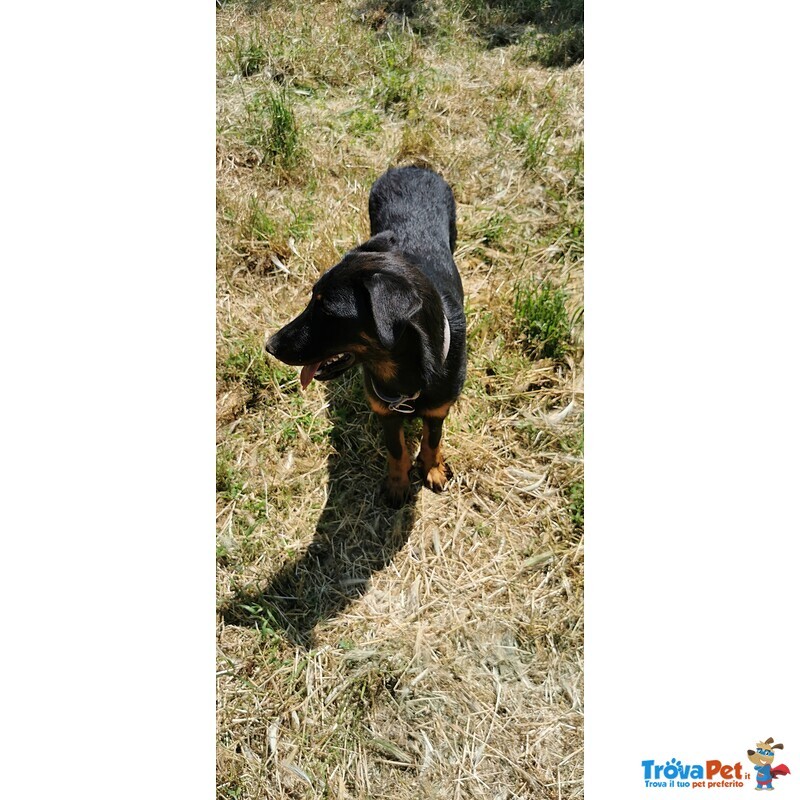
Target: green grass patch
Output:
[
  {"x": 266, "y": 620},
  {"x": 564, "y": 240},
  {"x": 302, "y": 221},
  {"x": 401, "y": 86},
  {"x": 247, "y": 56},
  {"x": 303, "y": 425},
  {"x": 552, "y": 30},
  {"x": 559, "y": 49},
  {"x": 271, "y": 128},
  {"x": 576, "y": 504},
  {"x": 541, "y": 316},
  {"x": 573, "y": 442},
  {"x": 230, "y": 479},
  {"x": 248, "y": 363},
  {"x": 572, "y": 164},
  {"x": 531, "y": 136},
  {"x": 556, "y": 39},
  {"x": 364, "y": 123},
  {"x": 258, "y": 226},
  {"x": 495, "y": 231},
  {"x": 534, "y": 139}
]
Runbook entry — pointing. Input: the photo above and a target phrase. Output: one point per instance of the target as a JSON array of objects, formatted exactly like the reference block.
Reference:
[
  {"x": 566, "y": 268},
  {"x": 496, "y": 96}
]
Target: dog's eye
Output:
[{"x": 322, "y": 304}]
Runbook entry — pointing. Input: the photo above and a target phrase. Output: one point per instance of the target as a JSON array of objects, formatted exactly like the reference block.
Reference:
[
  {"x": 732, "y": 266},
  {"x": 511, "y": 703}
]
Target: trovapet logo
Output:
[
  {"x": 717, "y": 774},
  {"x": 676, "y": 774}
]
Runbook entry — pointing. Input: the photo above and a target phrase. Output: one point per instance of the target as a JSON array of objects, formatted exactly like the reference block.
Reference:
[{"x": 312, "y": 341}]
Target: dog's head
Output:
[
  {"x": 365, "y": 309},
  {"x": 764, "y": 752}
]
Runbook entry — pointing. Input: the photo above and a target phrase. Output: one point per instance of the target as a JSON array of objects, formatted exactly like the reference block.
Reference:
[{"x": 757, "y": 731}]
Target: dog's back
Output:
[{"x": 417, "y": 205}]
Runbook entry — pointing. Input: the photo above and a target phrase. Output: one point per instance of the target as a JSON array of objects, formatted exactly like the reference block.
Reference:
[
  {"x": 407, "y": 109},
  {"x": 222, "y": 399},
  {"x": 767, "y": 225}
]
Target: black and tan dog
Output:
[{"x": 395, "y": 304}]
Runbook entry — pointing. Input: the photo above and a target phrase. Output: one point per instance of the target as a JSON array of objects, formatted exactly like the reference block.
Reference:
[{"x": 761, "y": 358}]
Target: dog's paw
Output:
[{"x": 437, "y": 476}]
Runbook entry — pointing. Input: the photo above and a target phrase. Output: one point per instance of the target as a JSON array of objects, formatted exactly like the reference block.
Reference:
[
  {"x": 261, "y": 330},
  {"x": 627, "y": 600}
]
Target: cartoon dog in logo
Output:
[{"x": 762, "y": 757}]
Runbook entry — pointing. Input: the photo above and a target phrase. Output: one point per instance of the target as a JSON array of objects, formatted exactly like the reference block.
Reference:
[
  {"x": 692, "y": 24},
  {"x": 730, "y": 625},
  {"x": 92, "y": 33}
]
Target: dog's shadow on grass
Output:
[{"x": 357, "y": 533}]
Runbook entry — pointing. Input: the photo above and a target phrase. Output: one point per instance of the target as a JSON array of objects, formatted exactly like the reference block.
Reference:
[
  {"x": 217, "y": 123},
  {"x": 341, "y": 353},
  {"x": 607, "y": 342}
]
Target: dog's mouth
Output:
[{"x": 327, "y": 369}]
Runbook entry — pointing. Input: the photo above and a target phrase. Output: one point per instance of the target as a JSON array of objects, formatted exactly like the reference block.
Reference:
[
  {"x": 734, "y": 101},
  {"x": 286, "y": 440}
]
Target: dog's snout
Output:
[{"x": 271, "y": 344}]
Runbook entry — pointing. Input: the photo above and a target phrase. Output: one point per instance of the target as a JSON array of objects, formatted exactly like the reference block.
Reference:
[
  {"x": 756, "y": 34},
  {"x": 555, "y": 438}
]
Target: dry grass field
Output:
[{"x": 433, "y": 651}]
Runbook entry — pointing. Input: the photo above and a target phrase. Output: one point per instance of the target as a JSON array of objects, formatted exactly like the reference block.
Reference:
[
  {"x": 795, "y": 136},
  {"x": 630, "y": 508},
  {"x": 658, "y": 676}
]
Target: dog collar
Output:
[{"x": 404, "y": 403}]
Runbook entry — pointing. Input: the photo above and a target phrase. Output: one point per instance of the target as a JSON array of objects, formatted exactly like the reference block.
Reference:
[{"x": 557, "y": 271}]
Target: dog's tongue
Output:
[{"x": 307, "y": 373}]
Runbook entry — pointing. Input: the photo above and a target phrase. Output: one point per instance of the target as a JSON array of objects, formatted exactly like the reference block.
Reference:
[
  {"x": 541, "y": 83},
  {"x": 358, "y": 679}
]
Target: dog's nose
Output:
[{"x": 270, "y": 344}]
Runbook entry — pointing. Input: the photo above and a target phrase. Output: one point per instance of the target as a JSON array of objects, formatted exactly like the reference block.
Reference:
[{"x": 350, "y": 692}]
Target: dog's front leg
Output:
[
  {"x": 434, "y": 470},
  {"x": 397, "y": 483}
]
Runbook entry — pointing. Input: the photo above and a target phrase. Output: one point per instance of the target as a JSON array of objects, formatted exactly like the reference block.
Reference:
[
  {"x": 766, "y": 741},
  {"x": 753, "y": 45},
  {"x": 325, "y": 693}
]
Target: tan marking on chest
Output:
[
  {"x": 378, "y": 406},
  {"x": 440, "y": 412}
]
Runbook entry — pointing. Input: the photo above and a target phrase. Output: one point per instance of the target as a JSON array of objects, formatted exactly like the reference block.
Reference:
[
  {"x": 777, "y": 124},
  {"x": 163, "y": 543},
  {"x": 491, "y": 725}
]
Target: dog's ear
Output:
[
  {"x": 381, "y": 242},
  {"x": 394, "y": 301}
]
